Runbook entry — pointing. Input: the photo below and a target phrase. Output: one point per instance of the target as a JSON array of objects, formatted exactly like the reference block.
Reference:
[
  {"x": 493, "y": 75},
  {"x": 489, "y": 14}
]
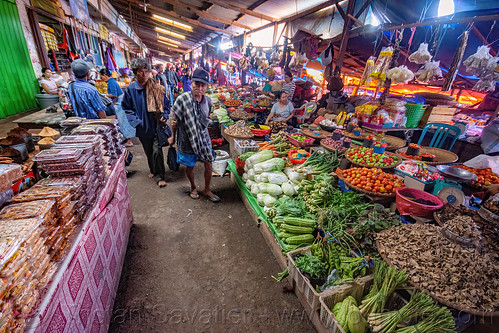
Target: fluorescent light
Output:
[
  {"x": 172, "y": 22},
  {"x": 227, "y": 45},
  {"x": 168, "y": 40},
  {"x": 445, "y": 7},
  {"x": 170, "y": 33},
  {"x": 169, "y": 44}
]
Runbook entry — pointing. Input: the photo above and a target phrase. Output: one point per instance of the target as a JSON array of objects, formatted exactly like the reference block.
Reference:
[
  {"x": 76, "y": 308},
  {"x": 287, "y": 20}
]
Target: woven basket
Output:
[
  {"x": 457, "y": 306},
  {"x": 393, "y": 142},
  {"x": 354, "y": 137},
  {"x": 398, "y": 157},
  {"x": 323, "y": 134},
  {"x": 441, "y": 156}
]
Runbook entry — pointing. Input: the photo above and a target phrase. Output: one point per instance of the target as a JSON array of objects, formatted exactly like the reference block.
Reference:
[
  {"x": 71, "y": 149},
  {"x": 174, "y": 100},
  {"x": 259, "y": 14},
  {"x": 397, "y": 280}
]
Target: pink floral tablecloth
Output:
[{"x": 81, "y": 297}]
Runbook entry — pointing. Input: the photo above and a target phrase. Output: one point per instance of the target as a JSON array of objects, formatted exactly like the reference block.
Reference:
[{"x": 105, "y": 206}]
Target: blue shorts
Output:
[
  {"x": 189, "y": 159},
  {"x": 186, "y": 159}
]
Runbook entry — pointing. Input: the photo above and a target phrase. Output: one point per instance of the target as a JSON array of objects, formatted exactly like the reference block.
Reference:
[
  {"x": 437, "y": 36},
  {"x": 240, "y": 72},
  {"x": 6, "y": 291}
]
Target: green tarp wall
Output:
[{"x": 18, "y": 84}]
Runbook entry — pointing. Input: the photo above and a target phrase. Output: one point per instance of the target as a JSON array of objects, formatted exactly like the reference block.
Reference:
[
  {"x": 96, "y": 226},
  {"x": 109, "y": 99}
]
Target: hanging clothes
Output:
[{"x": 111, "y": 64}]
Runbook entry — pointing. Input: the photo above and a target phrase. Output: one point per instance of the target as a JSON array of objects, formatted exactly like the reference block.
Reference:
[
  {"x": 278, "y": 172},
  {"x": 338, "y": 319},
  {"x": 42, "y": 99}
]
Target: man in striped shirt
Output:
[
  {"x": 84, "y": 96},
  {"x": 289, "y": 86}
]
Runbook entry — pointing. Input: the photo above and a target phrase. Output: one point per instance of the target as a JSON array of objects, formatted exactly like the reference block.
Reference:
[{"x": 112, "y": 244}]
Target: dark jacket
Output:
[{"x": 135, "y": 106}]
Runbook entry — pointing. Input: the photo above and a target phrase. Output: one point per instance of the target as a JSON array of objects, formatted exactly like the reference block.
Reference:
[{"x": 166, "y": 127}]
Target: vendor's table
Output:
[
  {"x": 40, "y": 119},
  {"x": 81, "y": 296}
]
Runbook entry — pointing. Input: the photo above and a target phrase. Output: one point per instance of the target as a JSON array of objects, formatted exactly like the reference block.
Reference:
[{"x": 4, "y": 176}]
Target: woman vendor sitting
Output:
[
  {"x": 48, "y": 84},
  {"x": 282, "y": 110}
]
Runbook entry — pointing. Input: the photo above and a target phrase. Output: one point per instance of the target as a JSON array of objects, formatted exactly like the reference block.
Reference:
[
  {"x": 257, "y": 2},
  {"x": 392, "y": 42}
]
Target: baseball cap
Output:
[
  {"x": 80, "y": 67},
  {"x": 201, "y": 75}
]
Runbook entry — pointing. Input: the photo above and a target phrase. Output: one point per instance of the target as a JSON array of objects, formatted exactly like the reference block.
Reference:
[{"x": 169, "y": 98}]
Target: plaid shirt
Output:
[{"x": 192, "y": 126}]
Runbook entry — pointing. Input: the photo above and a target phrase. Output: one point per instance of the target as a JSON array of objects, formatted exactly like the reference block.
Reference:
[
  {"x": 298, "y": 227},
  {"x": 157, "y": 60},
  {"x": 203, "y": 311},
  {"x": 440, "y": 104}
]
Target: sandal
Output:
[
  {"x": 215, "y": 198},
  {"x": 194, "y": 195},
  {"x": 161, "y": 183}
]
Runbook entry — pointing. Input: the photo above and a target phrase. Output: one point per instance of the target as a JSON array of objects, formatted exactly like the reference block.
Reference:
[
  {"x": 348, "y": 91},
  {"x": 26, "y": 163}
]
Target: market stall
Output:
[
  {"x": 329, "y": 200},
  {"x": 64, "y": 238}
]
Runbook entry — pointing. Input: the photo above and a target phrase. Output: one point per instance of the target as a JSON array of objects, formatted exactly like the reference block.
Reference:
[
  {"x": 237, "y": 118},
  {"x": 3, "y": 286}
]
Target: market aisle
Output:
[{"x": 195, "y": 266}]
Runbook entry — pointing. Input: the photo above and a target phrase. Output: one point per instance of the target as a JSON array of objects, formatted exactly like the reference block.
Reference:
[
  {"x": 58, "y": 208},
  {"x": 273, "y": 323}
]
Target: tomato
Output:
[
  {"x": 389, "y": 187},
  {"x": 363, "y": 178},
  {"x": 368, "y": 188}
]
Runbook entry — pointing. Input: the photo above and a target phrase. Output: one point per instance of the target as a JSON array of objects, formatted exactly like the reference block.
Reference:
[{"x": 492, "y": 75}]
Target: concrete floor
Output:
[{"x": 195, "y": 266}]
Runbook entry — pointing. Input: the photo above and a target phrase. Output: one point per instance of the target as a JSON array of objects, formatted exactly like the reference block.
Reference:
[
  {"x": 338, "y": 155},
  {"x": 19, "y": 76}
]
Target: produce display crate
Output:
[
  {"x": 437, "y": 114},
  {"x": 244, "y": 149},
  {"x": 302, "y": 284},
  {"x": 356, "y": 290}
]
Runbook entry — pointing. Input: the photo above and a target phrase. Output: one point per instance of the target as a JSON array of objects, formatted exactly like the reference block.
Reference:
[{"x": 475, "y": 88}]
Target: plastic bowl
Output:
[{"x": 407, "y": 206}]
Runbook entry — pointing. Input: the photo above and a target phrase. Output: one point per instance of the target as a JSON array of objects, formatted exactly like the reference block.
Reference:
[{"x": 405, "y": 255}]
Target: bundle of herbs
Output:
[{"x": 386, "y": 280}]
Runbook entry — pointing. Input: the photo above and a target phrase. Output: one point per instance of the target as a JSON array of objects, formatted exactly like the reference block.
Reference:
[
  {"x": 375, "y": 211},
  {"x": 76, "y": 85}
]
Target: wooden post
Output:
[
  {"x": 346, "y": 34},
  {"x": 274, "y": 38},
  {"x": 393, "y": 63}
]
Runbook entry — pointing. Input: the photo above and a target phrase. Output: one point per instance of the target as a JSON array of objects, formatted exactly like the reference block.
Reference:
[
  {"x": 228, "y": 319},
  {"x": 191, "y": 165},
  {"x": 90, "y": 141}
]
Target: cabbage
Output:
[
  {"x": 249, "y": 183},
  {"x": 265, "y": 199},
  {"x": 245, "y": 177},
  {"x": 259, "y": 179},
  {"x": 271, "y": 189},
  {"x": 221, "y": 115},
  {"x": 255, "y": 189},
  {"x": 294, "y": 176},
  {"x": 276, "y": 178},
  {"x": 251, "y": 174},
  {"x": 269, "y": 200},
  {"x": 288, "y": 189},
  {"x": 259, "y": 157},
  {"x": 274, "y": 164}
]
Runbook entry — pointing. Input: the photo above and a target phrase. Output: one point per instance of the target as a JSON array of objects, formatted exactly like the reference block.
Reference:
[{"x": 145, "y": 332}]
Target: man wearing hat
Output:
[
  {"x": 190, "y": 118},
  {"x": 84, "y": 96}
]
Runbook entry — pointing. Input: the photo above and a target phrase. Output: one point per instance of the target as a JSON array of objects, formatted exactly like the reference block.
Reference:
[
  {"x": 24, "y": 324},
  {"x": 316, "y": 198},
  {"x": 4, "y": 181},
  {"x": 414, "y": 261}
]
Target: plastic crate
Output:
[
  {"x": 304, "y": 287},
  {"x": 244, "y": 149},
  {"x": 413, "y": 182},
  {"x": 414, "y": 113},
  {"x": 356, "y": 290}
]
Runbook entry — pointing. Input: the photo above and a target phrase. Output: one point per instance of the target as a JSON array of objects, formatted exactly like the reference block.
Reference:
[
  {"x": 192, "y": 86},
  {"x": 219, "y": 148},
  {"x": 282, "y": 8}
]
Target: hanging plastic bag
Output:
[
  {"x": 365, "y": 80},
  {"x": 382, "y": 63},
  {"x": 400, "y": 74},
  {"x": 327, "y": 55},
  {"x": 478, "y": 60},
  {"x": 421, "y": 56},
  {"x": 430, "y": 70}
]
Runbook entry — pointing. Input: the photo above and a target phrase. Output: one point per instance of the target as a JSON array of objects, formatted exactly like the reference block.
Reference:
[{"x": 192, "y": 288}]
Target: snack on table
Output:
[
  {"x": 8, "y": 174},
  {"x": 43, "y": 209},
  {"x": 46, "y": 141}
]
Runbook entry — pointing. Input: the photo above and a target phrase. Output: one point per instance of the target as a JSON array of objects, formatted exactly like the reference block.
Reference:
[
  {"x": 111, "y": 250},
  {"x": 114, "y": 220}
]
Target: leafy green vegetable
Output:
[
  {"x": 245, "y": 156},
  {"x": 311, "y": 265}
]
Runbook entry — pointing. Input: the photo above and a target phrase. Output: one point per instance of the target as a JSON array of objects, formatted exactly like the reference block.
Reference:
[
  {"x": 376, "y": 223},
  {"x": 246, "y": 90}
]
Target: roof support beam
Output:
[
  {"x": 242, "y": 10},
  {"x": 186, "y": 19},
  {"x": 201, "y": 13},
  {"x": 346, "y": 33},
  {"x": 253, "y": 6}
]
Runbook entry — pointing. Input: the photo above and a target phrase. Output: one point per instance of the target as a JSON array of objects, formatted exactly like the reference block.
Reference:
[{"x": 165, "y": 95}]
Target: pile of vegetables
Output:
[
  {"x": 366, "y": 156},
  {"x": 419, "y": 306},
  {"x": 330, "y": 264},
  {"x": 239, "y": 130},
  {"x": 486, "y": 177},
  {"x": 386, "y": 280},
  {"x": 320, "y": 161},
  {"x": 221, "y": 115},
  {"x": 349, "y": 317},
  {"x": 265, "y": 178},
  {"x": 372, "y": 180}
]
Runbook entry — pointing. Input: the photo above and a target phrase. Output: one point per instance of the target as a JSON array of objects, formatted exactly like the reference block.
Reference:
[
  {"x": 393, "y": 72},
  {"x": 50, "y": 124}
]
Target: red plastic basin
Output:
[{"x": 407, "y": 206}]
